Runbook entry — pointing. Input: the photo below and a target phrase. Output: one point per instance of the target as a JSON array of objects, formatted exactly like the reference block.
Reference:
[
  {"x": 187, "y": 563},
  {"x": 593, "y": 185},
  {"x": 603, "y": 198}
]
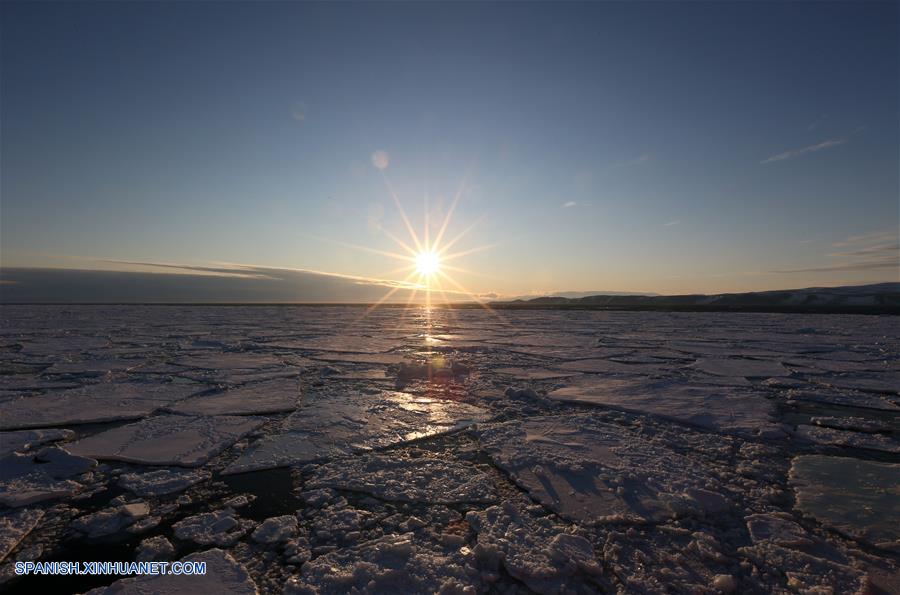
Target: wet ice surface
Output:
[{"x": 323, "y": 450}]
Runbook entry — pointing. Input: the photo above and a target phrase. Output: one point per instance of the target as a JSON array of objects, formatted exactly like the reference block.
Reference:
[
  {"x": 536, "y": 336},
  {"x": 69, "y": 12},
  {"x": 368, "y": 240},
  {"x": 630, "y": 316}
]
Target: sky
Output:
[{"x": 682, "y": 147}]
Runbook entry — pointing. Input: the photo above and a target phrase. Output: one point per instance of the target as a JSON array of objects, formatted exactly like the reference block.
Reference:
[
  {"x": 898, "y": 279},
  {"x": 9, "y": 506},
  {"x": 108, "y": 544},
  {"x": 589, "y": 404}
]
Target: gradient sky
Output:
[{"x": 671, "y": 148}]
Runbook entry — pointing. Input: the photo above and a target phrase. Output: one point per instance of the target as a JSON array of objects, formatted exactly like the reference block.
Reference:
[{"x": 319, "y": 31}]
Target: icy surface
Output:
[
  {"x": 330, "y": 425},
  {"x": 409, "y": 480},
  {"x": 14, "y": 526},
  {"x": 161, "y": 482},
  {"x": 456, "y": 451},
  {"x": 93, "y": 403},
  {"x": 167, "y": 439},
  {"x": 717, "y": 408},
  {"x": 272, "y": 396},
  {"x": 858, "y": 498},
  {"x": 223, "y": 576},
  {"x": 392, "y": 564},
  {"x": 590, "y": 471}
]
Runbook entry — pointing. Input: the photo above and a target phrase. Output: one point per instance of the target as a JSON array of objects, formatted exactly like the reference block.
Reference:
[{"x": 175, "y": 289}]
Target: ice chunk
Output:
[
  {"x": 155, "y": 549},
  {"x": 221, "y": 527},
  {"x": 276, "y": 529},
  {"x": 265, "y": 397},
  {"x": 533, "y": 373},
  {"x": 161, "y": 482},
  {"x": 330, "y": 425},
  {"x": 823, "y": 435},
  {"x": 111, "y": 520},
  {"x": 15, "y": 526},
  {"x": 590, "y": 471},
  {"x": 106, "y": 401},
  {"x": 234, "y": 360},
  {"x": 408, "y": 480},
  {"x": 23, "y": 440},
  {"x": 224, "y": 576},
  {"x": 391, "y": 564},
  {"x": 25, "y": 479},
  {"x": 167, "y": 439},
  {"x": 859, "y": 424},
  {"x": 858, "y": 498},
  {"x": 741, "y": 367},
  {"x": 533, "y": 549},
  {"x": 728, "y": 410}
]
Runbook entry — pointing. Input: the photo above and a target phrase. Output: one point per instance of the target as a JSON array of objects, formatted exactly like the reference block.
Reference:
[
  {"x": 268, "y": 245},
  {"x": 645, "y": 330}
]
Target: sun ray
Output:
[
  {"x": 467, "y": 252},
  {"x": 409, "y": 227},
  {"x": 449, "y": 215},
  {"x": 460, "y": 235}
]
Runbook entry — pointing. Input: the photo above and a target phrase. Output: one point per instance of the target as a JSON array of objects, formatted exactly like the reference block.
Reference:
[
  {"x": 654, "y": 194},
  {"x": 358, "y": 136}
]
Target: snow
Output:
[
  {"x": 167, "y": 439},
  {"x": 856, "y": 497},
  {"x": 329, "y": 425},
  {"x": 407, "y": 480},
  {"x": 224, "y": 576},
  {"x": 162, "y": 482}
]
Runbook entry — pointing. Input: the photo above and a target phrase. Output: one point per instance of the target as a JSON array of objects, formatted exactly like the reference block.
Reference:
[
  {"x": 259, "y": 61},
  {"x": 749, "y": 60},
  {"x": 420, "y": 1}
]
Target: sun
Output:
[{"x": 428, "y": 263}]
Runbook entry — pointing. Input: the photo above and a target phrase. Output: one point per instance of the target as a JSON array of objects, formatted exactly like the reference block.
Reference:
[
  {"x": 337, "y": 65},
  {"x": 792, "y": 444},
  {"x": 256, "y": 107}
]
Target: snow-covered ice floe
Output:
[
  {"x": 167, "y": 439},
  {"x": 729, "y": 410},
  {"x": 272, "y": 396},
  {"x": 591, "y": 471},
  {"x": 330, "y": 425}
]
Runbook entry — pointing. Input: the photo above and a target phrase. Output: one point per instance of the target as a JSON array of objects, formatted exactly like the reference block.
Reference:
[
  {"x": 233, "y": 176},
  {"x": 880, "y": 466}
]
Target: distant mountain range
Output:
[
  {"x": 575, "y": 294},
  {"x": 879, "y": 298}
]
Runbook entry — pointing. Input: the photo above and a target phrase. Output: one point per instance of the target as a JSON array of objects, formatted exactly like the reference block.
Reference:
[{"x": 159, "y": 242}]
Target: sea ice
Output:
[
  {"x": 729, "y": 410},
  {"x": 27, "y": 479},
  {"x": 532, "y": 548},
  {"x": 15, "y": 526},
  {"x": 276, "y": 529},
  {"x": 111, "y": 520},
  {"x": 855, "y": 497},
  {"x": 406, "y": 480},
  {"x": 163, "y": 481},
  {"x": 106, "y": 401},
  {"x": 154, "y": 549},
  {"x": 272, "y": 396},
  {"x": 224, "y": 576},
  {"x": 391, "y": 564},
  {"x": 824, "y": 435},
  {"x": 167, "y": 439},
  {"x": 331, "y": 425},
  {"x": 23, "y": 440},
  {"x": 221, "y": 527},
  {"x": 740, "y": 367},
  {"x": 590, "y": 471}
]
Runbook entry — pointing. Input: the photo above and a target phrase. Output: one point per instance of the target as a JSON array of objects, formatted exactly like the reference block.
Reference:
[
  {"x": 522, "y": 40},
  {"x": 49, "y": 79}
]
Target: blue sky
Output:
[{"x": 678, "y": 147}]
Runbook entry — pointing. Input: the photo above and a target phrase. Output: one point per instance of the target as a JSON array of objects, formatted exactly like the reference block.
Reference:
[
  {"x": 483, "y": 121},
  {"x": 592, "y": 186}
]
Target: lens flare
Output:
[{"x": 428, "y": 263}]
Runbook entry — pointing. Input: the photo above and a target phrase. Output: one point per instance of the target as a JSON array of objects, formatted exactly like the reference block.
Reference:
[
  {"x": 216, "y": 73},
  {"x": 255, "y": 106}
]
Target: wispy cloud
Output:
[
  {"x": 570, "y": 204},
  {"x": 825, "y": 144},
  {"x": 671, "y": 223},
  {"x": 871, "y": 251},
  {"x": 637, "y": 161}
]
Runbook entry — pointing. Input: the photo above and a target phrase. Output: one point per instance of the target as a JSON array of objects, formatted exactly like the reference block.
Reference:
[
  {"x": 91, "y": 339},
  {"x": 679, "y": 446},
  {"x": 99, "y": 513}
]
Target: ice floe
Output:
[
  {"x": 732, "y": 410},
  {"x": 15, "y": 526},
  {"x": 167, "y": 439},
  {"x": 858, "y": 498},
  {"x": 420, "y": 479},
  {"x": 330, "y": 425},
  {"x": 224, "y": 576},
  {"x": 272, "y": 396},
  {"x": 162, "y": 482}
]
